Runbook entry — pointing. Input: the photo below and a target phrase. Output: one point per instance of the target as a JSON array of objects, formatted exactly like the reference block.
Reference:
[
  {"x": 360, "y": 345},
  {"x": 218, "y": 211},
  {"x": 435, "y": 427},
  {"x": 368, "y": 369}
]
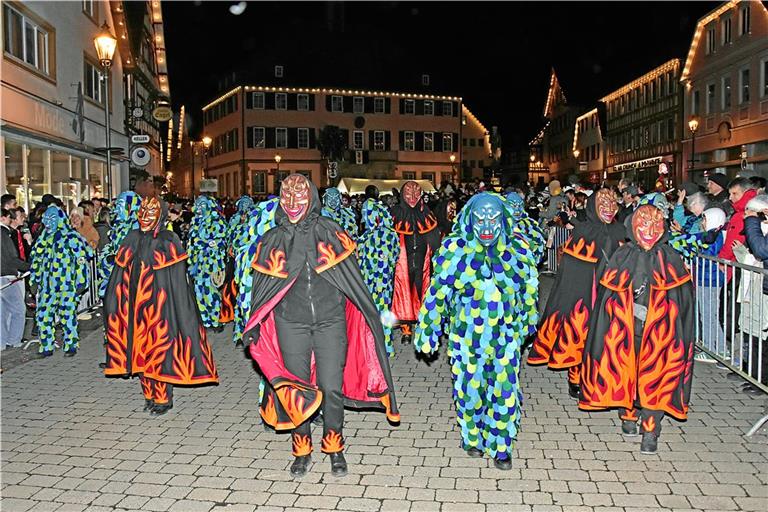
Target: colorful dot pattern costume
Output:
[
  {"x": 485, "y": 299},
  {"x": 531, "y": 231},
  {"x": 61, "y": 273},
  {"x": 343, "y": 216},
  {"x": 123, "y": 221},
  {"x": 378, "y": 248},
  {"x": 207, "y": 249}
]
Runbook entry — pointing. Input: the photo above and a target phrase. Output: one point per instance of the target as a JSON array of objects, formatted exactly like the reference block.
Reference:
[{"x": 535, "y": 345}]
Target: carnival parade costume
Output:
[
  {"x": 445, "y": 213},
  {"x": 235, "y": 227},
  {"x": 560, "y": 339},
  {"x": 123, "y": 222},
  {"x": 639, "y": 352},
  {"x": 419, "y": 239},
  {"x": 341, "y": 215},
  {"x": 207, "y": 248},
  {"x": 61, "y": 274},
  {"x": 314, "y": 330},
  {"x": 378, "y": 248},
  {"x": 152, "y": 325},
  {"x": 483, "y": 295},
  {"x": 531, "y": 230}
]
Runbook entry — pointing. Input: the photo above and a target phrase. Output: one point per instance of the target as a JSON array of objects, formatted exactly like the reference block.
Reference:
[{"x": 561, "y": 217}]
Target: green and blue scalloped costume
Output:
[
  {"x": 485, "y": 299},
  {"x": 123, "y": 221},
  {"x": 207, "y": 249},
  {"x": 61, "y": 274},
  {"x": 533, "y": 234},
  {"x": 378, "y": 248},
  {"x": 343, "y": 216}
]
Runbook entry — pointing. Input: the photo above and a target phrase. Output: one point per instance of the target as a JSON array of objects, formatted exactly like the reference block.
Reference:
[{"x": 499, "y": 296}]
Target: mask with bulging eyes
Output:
[
  {"x": 606, "y": 205},
  {"x": 332, "y": 199},
  {"x": 294, "y": 197},
  {"x": 486, "y": 221},
  {"x": 412, "y": 193},
  {"x": 647, "y": 226},
  {"x": 450, "y": 210},
  {"x": 149, "y": 214}
]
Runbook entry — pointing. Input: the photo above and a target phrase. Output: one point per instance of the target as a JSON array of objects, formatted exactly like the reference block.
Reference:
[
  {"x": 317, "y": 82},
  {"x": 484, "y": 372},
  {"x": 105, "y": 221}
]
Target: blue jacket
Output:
[
  {"x": 708, "y": 273},
  {"x": 757, "y": 243},
  {"x": 690, "y": 223}
]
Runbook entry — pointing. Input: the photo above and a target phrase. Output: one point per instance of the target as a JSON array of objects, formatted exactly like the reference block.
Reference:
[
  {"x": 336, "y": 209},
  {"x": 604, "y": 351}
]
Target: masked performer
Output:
[
  {"x": 123, "y": 222},
  {"x": 61, "y": 273},
  {"x": 342, "y": 215},
  {"x": 531, "y": 230},
  {"x": 316, "y": 333},
  {"x": 419, "y": 239},
  {"x": 563, "y": 331},
  {"x": 378, "y": 248},
  {"x": 485, "y": 287},
  {"x": 639, "y": 352},
  {"x": 446, "y": 214},
  {"x": 237, "y": 223},
  {"x": 151, "y": 320},
  {"x": 207, "y": 247}
]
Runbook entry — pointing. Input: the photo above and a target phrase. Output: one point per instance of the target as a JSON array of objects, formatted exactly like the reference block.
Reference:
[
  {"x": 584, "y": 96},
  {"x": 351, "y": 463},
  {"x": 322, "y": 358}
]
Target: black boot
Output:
[
  {"x": 338, "y": 464},
  {"x": 405, "y": 338},
  {"x": 573, "y": 391},
  {"x": 148, "y": 404},
  {"x": 160, "y": 409},
  {"x": 472, "y": 451},
  {"x": 70, "y": 353},
  {"x": 649, "y": 443},
  {"x": 629, "y": 428},
  {"x": 502, "y": 464},
  {"x": 300, "y": 466}
]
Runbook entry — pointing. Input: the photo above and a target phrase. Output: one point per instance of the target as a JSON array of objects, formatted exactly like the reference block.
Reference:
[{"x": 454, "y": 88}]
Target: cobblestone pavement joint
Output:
[{"x": 73, "y": 440}]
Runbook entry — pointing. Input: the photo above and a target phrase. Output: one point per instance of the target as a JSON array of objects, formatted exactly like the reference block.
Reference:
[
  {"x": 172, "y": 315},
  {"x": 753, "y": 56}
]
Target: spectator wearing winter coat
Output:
[
  {"x": 709, "y": 282},
  {"x": 740, "y": 192}
]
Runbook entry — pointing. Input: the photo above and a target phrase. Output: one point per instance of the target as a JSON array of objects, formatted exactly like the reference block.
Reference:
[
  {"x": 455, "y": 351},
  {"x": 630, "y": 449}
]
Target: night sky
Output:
[{"x": 496, "y": 55}]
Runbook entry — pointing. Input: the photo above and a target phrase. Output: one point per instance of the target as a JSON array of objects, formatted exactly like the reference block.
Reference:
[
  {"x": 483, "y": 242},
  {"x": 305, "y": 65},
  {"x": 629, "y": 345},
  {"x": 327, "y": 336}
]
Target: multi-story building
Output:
[
  {"x": 643, "y": 127},
  {"x": 726, "y": 91},
  {"x": 476, "y": 147},
  {"x": 261, "y": 134},
  {"x": 53, "y": 94},
  {"x": 589, "y": 147}
]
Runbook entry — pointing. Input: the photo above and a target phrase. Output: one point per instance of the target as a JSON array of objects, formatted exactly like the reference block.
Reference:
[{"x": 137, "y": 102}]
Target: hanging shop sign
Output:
[
  {"x": 162, "y": 113},
  {"x": 210, "y": 185},
  {"x": 140, "y": 156},
  {"x": 638, "y": 164}
]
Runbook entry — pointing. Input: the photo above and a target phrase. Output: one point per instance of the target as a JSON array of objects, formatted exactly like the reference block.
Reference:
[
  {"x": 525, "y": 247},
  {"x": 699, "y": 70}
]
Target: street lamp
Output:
[
  {"x": 452, "y": 158},
  {"x": 693, "y": 125},
  {"x": 277, "y": 161},
  {"x": 206, "y": 144},
  {"x": 105, "y": 44},
  {"x": 533, "y": 158},
  {"x": 576, "y": 154}
]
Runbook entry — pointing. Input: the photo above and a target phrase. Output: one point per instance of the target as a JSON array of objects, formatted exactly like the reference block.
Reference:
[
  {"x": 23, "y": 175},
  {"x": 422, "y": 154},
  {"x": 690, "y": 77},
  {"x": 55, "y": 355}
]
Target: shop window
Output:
[
  {"x": 14, "y": 171},
  {"x": 96, "y": 170}
]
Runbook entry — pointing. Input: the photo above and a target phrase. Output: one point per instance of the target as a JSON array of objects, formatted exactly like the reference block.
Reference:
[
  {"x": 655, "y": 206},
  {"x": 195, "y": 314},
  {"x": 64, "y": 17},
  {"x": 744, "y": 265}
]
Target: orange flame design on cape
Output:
[
  {"x": 269, "y": 411},
  {"x": 567, "y": 352},
  {"x": 649, "y": 424},
  {"x": 275, "y": 263},
  {"x": 123, "y": 256},
  {"x": 117, "y": 330},
  {"x": 403, "y": 227},
  {"x": 430, "y": 223},
  {"x": 332, "y": 442},
  {"x": 150, "y": 331},
  {"x": 581, "y": 250},
  {"x": 302, "y": 445},
  {"x": 161, "y": 392},
  {"x": 183, "y": 362},
  {"x": 327, "y": 254},
  {"x": 228, "y": 295},
  {"x": 205, "y": 347},
  {"x": 163, "y": 261},
  {"x": 545, "y": 340}
]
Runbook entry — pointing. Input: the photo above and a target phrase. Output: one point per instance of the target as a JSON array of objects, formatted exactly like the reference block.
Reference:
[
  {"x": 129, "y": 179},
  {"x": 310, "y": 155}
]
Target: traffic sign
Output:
[{"x": 139, "y": 139}]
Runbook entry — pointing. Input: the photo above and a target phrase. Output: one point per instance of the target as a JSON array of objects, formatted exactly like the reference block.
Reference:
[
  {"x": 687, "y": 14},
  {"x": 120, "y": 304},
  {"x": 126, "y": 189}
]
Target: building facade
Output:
[
  {"x": 589, "y": 147},
  {"x": 53, "y": 100},
  {"x": 261, "y": 134},
  {"x": 725, "y": 78},
  {"x": 475, "y": 147},
  {"x": 644, "y": 127}
]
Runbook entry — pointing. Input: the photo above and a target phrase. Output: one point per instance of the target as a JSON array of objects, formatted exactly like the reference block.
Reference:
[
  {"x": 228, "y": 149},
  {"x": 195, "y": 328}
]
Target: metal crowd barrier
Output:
[
  {"x": 91, "y": 299},
  {"x": 732, "y": 318},
  {"x": 556, "y": 237}
]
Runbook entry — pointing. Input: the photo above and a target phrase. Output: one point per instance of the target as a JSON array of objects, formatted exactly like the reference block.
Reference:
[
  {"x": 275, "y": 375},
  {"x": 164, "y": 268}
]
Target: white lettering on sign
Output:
[
  {"x": 50, "y": 121},
  {"x": 639, "y": 164}
]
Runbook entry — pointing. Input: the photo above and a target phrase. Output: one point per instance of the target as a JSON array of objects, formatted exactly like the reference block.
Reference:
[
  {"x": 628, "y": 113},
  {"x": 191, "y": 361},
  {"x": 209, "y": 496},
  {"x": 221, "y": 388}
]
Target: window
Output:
[
  {"x": 670, "y": 83},
  {"x": 744, "y": 86},
  {"x": 429, "y": 141},
  {"x": 24, "y": 39},
  {"x": 447, "y": 108},
  {"x": 695, "y": 103},
  {"x": 281, "y": 101},
  {"x": 710, "y": 98},
  {"x": 302, "y": 102},
  {"x": 378, "y": 105},
  {"x": 424, "y": 79},
  {"x": 472, "y": 142},
  {"x": 358, "y": 105},
  {"x": 725, "y": 93},
  {"x": 671, "y": 128},
  {"x": 744, "y": 26},
  {"x": 303, "y": 136},
  {"x": 447, "y": 142},
  {"x": 257, "y": 138},
  {"x": 725, "y": 31},
  {"x": 409, "y": 141},
  {"x": 472, "y": 164},
  {"x": 480, "y": 142},
  {"x": 409, "y": 175},
  {"x": 357, "y": 139},
  {"x": 429, "y": 108},
  {"x": 337, "y": 104},
  {"x": 258, "y": 182},
  {"x": 710, "y": 40},
  {"x": 379, "y": 141},
  {"x": 428, "y": 176},
  {"x": 257, "y": 98},
  {"x": 764, "y": 78},
  {"x": 93, "y": 86},
  {"x": 89, "y": 8},
  {"x": 281, "y": 137},
  {"x": 278, "y": 71},
  {"x": 410, "y": 107}
]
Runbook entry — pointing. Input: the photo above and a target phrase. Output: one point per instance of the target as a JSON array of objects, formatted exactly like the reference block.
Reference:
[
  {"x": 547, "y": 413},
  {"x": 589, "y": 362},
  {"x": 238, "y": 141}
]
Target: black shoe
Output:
[
  {"x": 752, "y": 390},
  {"x": 573, "y": 391},
  {"x": 102, "y": 365},
  {"x": 317, "y": 419},
  {"x": 649, "y": 443},
  {"x": 160, "y": 409},
  {"x": 502, "y": 464},
  {"x": 239, "y": 344},
  {"x": 70, "y": 353},
  {"x": 300, "y": 466},
  {"x": 338, "y": 464},
  {"x": 405, "y": 338},
  {"x": 629, "y": 428},
  {"x": 43, "y": 355},
  {"x": 472, "y": 451},
  {"x": 148, "y": 404}
]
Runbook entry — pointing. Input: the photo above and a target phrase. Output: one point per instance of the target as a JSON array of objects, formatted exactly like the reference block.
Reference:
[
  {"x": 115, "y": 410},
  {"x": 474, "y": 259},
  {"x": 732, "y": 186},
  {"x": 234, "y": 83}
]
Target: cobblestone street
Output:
[{"x": 73, "y": 440}]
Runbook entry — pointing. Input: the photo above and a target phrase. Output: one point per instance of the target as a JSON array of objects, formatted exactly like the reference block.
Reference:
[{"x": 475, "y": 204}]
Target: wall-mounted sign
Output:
[
  {"x": 162, "y": 113},
  {"x": 137, "y": 112},
  {"x": 210, "y": 185},
  {"x": 139, "y": 139},
  {"x": 638, "y": 164},
  {"x": 140, "y": 156}
]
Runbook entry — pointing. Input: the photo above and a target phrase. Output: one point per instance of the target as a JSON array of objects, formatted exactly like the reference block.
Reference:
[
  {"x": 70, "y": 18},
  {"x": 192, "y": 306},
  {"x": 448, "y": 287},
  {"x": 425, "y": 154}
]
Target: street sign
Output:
[
  {"x": 333, "y": 170},
  {"x": 162, "y": 113},
  {"x": 140, "y": 156},
  {"x": 139, "y": 139}
]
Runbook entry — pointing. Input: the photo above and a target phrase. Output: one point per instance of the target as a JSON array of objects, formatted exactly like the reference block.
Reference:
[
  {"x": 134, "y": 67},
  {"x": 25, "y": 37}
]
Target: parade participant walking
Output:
[
  {"x": 314, "y": 330},
  {"x": 531, "y": 230},
  {"x": 639, "y": 352},
  {"x": 124, "y": 220},
  {"x": 563, "y": 331},
  {"x": 378, "y": 249},
  {"x": 243, "y": 210},
  {"x": 485, "y": 288},
  {"x": 60, "y": 273},
  {"x": 340, "y": 214},
  {"x": 151, "y": 321},
  {"x": 207, "y": 248},
  {"x": 445, "y": 213},
  {"x": 419, "y": 239}
]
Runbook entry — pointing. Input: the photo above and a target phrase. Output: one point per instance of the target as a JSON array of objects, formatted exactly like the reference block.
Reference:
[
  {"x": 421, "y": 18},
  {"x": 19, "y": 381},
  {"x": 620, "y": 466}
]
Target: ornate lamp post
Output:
[
  {"x": 105, "y": 44},
  {"x": 452, "y": 158},
  {"x": 693, "y": 126},
  {"x": 206, "y": 144}
]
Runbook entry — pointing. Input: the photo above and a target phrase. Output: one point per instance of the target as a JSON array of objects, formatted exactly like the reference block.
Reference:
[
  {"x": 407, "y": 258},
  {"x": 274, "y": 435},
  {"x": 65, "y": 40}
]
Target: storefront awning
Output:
[{"x": 354, "y": 186}]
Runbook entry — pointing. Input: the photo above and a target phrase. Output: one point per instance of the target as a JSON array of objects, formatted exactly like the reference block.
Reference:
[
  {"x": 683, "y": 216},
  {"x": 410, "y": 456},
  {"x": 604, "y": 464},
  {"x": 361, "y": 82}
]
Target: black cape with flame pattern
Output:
[
  {"x": 280, "y": 257},
  {"x": 659, "y": 376},
  {"x": 565, "y": 323},
  {"x": 152, "y": 323}
]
